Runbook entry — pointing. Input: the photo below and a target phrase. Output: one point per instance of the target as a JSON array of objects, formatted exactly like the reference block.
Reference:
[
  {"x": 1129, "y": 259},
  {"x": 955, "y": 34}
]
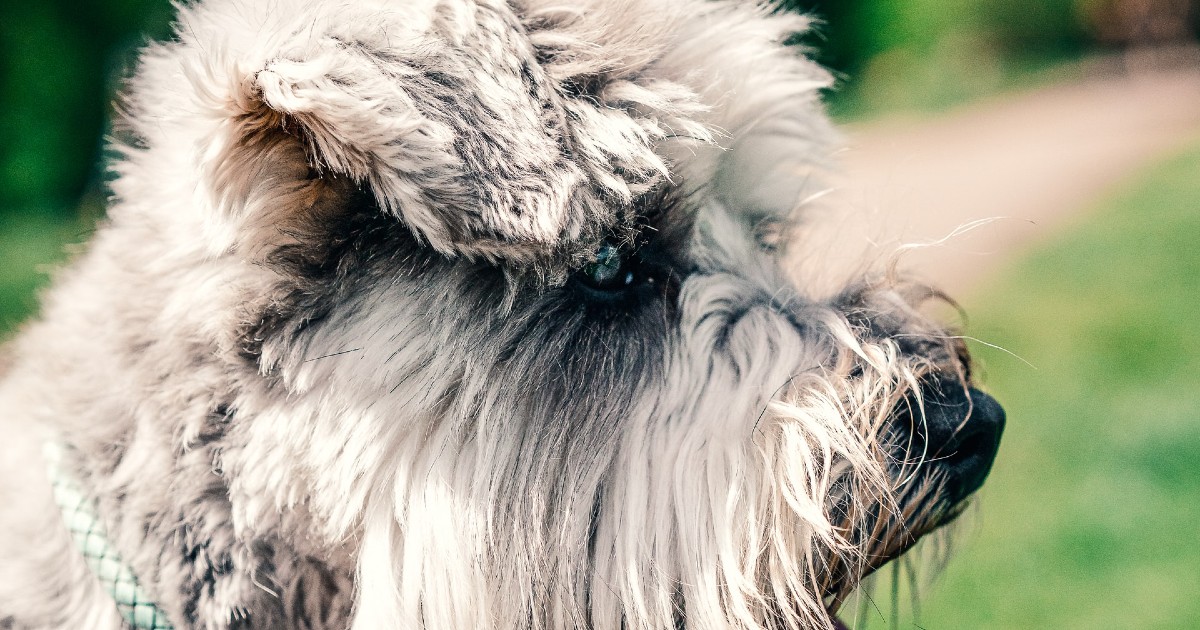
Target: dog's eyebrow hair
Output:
[{"x": 665, "y": 202}]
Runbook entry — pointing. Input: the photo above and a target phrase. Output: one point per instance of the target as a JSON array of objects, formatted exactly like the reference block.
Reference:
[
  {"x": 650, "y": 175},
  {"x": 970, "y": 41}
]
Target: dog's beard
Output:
[{"x": 583, "y": 471}]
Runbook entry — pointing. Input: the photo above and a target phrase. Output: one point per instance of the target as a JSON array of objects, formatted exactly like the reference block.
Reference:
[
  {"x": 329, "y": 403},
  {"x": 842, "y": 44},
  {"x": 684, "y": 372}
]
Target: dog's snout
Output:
[{"x": 960, "y": 435}]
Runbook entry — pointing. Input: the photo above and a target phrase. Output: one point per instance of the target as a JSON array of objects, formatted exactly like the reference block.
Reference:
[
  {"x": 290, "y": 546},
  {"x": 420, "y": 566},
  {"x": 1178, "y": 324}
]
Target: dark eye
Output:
[
  {"x": 611, "y": 271},
  {"x": 629, "y": 276}
]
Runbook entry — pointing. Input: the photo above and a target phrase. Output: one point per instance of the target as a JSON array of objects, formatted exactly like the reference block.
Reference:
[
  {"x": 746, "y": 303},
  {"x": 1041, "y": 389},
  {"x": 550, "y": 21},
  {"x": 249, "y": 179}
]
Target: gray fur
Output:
[{"x": 330, "y": 362}]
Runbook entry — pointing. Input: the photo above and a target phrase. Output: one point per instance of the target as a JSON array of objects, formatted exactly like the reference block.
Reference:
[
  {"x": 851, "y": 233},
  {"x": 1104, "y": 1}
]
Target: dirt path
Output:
[{"x": 1037, "y": 160}]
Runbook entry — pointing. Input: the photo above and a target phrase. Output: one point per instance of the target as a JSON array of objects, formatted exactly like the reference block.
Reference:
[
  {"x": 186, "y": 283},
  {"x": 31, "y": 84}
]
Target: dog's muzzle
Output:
[
  {"x": 958, "y": 434},
  {"x": 951, "y": 432}
]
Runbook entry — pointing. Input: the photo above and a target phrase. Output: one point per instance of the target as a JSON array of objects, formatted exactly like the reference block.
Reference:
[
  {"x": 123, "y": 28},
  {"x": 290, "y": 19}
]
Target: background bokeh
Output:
[{"x": 1092, "y": 517}]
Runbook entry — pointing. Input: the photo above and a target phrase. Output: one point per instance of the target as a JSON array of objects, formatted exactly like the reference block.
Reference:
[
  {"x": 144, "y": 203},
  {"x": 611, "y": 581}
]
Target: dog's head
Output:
[{"x": 500, "y": 292}]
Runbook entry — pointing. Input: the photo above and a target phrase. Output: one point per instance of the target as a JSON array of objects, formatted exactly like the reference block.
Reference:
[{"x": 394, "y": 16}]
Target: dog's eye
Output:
[
  {"x": 610, "y": 271},
  {"x": 617, "y": 274}
]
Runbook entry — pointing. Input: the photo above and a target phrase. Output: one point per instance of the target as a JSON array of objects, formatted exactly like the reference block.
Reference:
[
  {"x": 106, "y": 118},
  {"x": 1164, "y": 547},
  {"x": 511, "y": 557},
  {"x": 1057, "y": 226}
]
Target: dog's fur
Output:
[{"x": 341, "y": 355}]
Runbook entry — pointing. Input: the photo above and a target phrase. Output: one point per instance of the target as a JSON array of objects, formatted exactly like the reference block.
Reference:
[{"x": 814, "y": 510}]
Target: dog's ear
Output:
[
  {"x": 468, "y": 168},
  {"x": 444, "y": 115}
]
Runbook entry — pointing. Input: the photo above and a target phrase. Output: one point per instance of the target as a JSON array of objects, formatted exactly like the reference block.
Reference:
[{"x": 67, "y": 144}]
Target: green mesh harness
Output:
[{"x": 79, "y": 514}]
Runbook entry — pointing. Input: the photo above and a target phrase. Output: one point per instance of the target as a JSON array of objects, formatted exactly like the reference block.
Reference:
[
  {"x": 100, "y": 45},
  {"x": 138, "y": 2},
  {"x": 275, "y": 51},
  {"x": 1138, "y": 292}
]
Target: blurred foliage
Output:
[
  {"x": 930, "y": 54},
  {"x": 33, "y": 244},
  {"x": 59, "y": 60},
  {"x": 921, "y": 54}
]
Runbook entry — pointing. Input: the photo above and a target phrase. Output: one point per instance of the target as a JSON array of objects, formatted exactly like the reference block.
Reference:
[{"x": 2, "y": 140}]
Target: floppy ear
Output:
[
  {"x": 470, "y": 169},
  {"x": 445, "y": 117}
]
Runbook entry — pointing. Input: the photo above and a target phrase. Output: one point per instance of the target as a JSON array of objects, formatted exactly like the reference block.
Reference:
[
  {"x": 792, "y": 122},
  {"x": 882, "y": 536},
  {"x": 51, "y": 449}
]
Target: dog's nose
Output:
[{"x": 960, "y": 435}]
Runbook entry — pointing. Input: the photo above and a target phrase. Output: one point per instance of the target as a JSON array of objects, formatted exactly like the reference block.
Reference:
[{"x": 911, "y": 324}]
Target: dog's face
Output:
[{"x": 499, "y": 294}]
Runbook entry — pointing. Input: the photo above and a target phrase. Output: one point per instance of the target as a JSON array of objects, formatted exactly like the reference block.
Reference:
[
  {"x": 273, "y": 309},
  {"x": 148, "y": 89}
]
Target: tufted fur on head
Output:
[{"x": 475, "y": 314}]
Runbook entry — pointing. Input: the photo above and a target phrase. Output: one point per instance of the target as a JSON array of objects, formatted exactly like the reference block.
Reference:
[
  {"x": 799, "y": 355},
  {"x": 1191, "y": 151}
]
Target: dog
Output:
[{"x": 456, "y": 314}]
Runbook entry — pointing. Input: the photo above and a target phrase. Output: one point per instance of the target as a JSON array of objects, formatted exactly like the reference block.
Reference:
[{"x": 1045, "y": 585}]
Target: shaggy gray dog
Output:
[{"x": 459, "y": 314}]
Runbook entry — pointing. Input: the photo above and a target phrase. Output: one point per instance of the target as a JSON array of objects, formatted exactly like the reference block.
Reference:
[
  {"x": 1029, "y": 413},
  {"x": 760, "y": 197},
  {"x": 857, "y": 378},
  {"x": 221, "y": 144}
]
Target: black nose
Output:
[{"x": 960, "y": 435}]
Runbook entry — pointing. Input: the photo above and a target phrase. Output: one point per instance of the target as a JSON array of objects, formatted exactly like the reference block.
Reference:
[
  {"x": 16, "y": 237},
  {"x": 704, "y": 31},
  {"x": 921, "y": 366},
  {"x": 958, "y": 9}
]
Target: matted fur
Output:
[{"x": 330, "y": 363}]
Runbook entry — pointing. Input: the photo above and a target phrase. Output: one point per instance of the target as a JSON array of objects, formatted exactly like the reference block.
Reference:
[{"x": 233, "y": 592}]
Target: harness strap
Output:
[{"x": 79, "y": 515}]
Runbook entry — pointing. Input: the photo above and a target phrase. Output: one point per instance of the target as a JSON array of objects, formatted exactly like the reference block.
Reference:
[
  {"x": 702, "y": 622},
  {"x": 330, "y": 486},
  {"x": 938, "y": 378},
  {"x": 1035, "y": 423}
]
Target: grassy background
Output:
[
  {"x": 927, "y": 55},
  {"x": 32, "y": 244},
  {"x": 1092, "y": 516}
]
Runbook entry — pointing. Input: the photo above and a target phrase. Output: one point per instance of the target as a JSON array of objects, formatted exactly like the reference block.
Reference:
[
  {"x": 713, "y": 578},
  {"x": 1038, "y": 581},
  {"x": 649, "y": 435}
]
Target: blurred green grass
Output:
[
  {"x": 33, "y": 245},
  {"x": 929, "y": 55},
  {"x": 1092, "y": 514}
]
